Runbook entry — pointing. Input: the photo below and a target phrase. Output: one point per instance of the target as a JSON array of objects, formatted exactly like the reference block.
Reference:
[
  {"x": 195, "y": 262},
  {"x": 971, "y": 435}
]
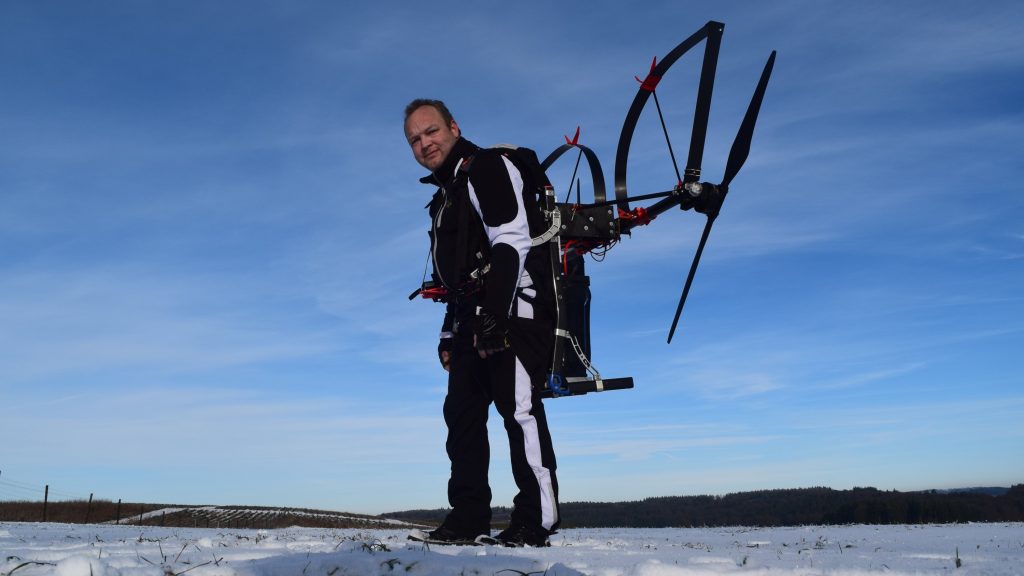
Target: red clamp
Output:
[
  {"x": 437, "y": 293},
  {"x": 651, "y": 81},
  {"x": 575, "y": 139},
  {"x": 637, "y": 216}
]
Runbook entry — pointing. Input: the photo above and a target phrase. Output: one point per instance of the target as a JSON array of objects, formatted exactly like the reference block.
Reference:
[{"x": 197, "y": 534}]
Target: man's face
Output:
[{"x": 430, "y": 138}]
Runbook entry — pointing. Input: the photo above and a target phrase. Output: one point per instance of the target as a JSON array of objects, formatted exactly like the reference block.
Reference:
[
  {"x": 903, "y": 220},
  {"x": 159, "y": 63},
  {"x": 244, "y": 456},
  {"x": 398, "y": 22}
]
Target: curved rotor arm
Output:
[
  {"x": 689, "y": 191},
  {"x": 595, "y": 165},
  {"x": 712, "y": 31}
]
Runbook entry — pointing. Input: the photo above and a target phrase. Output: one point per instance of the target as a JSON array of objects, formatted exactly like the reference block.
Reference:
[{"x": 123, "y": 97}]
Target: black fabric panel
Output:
[
  {"x": 490, "y": 180},
  {"x": 533, "y": 342},
  {"x": 501, "y": 281}
]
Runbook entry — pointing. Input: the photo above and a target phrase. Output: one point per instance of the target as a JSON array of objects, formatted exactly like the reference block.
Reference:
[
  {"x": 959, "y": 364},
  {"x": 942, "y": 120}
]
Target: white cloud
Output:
[{"x": 126, "y": 317}]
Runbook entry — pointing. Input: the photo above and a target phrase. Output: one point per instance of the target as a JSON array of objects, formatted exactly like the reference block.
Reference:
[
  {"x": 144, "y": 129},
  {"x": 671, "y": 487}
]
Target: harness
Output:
[{"x": 472, "y": 250}]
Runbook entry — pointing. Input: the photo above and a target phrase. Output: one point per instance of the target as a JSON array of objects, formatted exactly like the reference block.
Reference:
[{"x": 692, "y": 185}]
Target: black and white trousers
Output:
[{"x": 473, "y": 383}]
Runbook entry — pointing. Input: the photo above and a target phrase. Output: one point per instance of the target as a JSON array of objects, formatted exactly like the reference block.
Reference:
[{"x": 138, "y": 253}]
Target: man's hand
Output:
[
  {"x": 444, "y": 352},
  {"x": 488, "y": 333}
]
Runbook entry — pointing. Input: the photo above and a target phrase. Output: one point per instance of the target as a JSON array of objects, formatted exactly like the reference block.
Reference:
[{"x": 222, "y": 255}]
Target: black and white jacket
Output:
[{"x": 478, "y": 216}]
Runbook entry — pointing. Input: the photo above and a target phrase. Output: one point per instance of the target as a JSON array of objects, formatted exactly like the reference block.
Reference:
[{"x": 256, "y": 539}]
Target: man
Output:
[{"x": 497, "y": 332}]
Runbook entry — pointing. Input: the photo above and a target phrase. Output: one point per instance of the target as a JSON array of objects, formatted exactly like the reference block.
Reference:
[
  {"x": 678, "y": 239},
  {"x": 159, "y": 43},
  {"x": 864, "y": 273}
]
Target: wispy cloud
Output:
[{"x": 82, "y": 321}]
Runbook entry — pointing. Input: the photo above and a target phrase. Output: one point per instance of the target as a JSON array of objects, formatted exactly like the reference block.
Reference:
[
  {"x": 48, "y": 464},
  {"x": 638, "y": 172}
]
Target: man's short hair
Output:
[{"x": 435, "y": 104}]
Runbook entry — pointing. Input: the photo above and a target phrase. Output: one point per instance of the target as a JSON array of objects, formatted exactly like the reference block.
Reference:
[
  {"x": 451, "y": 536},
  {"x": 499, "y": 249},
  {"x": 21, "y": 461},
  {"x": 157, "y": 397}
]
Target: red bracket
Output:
[
  {"x": 575, "y": 139},
  {"x": 651, "y": 81},
  {"x": 436, "y": 294},
  {"x": 636, "y": 216}
]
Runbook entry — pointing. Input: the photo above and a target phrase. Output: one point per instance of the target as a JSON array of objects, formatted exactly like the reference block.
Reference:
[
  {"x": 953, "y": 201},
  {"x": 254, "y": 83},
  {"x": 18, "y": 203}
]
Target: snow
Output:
[{"x": 28, "y": 549}]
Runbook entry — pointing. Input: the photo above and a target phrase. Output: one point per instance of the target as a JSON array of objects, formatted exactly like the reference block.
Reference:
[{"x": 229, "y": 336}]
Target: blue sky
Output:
[{"x": 210, "y": 222}]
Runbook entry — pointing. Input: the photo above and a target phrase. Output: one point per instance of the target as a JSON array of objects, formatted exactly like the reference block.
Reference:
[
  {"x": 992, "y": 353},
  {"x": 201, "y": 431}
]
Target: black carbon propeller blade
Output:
[
  {"x": 689, "y": 277},
  {"x": 737, "y": 156},
  {"x": 741, "y": 145}
]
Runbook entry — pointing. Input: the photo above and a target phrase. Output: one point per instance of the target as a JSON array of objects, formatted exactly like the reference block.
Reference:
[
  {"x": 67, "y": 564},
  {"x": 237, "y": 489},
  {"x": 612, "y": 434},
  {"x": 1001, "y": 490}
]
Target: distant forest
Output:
[
  {"x": 797, "y": 507},
  {"x": 794, "y": 507}
]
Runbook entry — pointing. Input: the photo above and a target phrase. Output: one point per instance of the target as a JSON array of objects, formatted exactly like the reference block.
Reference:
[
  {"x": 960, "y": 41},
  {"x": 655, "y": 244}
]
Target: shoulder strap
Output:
[{"x": 466, "y": 224}]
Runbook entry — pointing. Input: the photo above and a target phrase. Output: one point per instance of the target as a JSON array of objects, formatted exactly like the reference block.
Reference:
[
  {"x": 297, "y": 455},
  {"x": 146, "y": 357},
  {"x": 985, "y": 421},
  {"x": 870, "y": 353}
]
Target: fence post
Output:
[
  {"x": 88, "y": 509},
  {"x": 118, "y": 511},
  {"x": 46, "y": 500}
]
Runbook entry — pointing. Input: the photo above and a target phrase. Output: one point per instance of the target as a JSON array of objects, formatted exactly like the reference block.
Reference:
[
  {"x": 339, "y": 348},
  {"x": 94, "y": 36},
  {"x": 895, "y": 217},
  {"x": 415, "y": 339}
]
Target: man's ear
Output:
[{"x": 455, "y": 128}]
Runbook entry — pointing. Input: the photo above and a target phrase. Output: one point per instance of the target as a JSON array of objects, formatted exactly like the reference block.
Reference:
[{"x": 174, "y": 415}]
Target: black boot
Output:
[{"x": 519, "y": 535}]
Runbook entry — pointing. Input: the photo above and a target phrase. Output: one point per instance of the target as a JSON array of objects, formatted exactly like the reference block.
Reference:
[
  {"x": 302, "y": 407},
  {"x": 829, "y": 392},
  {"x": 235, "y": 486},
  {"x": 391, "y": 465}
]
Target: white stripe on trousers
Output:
[{"x": 531, "y": 434}]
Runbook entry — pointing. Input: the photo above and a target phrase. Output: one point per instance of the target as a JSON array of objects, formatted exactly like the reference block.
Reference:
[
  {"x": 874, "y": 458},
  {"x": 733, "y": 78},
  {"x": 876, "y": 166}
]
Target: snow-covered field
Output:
[{"x": 102, "y": 550}]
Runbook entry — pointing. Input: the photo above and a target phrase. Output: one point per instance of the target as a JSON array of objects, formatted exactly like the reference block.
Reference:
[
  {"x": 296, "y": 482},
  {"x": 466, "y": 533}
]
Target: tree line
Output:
[
  {"x": 105, "y": 511},
  {"x": 789, "y": 507}
]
